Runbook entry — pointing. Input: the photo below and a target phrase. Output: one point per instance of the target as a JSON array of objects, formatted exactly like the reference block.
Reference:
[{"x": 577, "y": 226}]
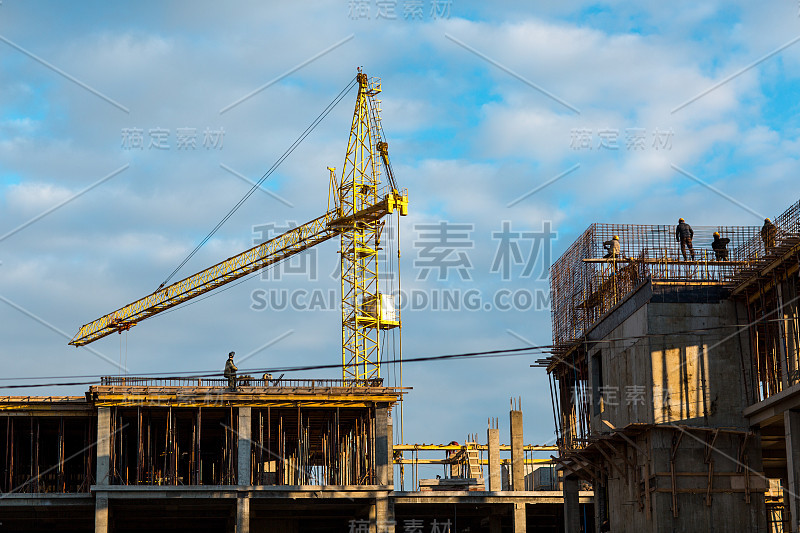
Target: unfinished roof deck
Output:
[
  {"x": 586, "y": 286},
  {"x": 188, "y": 392}
]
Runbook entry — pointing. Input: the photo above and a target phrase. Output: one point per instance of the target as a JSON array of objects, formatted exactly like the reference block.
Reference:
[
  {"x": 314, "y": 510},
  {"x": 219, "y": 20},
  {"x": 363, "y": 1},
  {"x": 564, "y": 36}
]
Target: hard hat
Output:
[
  {"x": 616, "y": 238},
  {"x": 681, "y": 220},
  {"x": 716, "y": 234},
  {"x": 231, "y": 354},
  {"x": 767, "y": 220}
]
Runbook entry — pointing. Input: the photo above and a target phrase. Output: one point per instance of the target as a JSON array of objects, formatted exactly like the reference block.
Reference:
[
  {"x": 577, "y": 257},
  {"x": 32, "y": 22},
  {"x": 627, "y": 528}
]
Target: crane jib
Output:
[
  {"x": 285, "y": 245},
  {"x": 281, "y": 247}
]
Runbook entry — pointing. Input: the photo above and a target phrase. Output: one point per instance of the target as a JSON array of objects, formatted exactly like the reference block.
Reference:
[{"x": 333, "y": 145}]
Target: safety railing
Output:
[
  {"x": 241, "y": 381},
  {"x": 585, "y": 282}
]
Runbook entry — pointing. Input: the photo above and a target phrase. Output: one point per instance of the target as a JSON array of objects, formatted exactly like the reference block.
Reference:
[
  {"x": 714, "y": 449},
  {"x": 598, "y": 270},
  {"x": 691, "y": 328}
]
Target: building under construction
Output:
[
  {"x": 675, "y": 382},
  {"x": 140, "y": 454}
]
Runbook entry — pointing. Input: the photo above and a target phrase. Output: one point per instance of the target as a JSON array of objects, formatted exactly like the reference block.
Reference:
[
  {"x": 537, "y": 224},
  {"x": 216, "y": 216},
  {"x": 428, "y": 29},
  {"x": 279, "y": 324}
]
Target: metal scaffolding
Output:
[
  {"x": 585, "y": 286},
  {"x": 769, "y": 285},
  {"x": 761, "y": 271}
]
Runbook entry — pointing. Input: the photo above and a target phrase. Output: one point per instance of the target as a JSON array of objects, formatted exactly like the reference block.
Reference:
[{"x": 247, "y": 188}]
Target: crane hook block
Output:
[{"x": 399, "y": 201}]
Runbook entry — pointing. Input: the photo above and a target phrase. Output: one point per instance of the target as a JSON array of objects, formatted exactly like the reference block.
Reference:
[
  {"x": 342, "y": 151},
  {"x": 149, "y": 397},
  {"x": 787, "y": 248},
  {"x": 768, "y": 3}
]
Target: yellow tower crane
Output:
[{"x": 357, "y": 203}]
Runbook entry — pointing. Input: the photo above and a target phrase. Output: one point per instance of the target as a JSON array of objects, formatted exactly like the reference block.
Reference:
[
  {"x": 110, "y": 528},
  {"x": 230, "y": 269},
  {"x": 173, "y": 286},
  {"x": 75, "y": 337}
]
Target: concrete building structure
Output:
[
  {"x": 172, "y": 454},
  {"x": 675, "y": 383}
]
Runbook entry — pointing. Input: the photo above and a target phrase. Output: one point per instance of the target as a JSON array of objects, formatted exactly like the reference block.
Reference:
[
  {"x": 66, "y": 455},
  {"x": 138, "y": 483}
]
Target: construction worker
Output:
[
  {"x": 684, "y": 234},
  {"x": 230, "y": 371},
  {"x": 612, "y": 247},
  {"x": 768, "y": 233},
  {"x": 720, "y": 247}
]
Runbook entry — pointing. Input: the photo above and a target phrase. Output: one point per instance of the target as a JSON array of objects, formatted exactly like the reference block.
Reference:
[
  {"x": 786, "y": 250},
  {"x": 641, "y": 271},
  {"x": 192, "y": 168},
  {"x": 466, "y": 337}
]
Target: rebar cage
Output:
[{"x": 584, "y": 285}]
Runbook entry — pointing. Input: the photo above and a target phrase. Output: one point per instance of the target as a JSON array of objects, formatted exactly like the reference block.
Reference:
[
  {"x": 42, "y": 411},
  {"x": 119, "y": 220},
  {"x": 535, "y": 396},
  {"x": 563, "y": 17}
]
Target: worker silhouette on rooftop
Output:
[
  {"x": 768, "y": 233},
  {"x": 230, "y": 371},
  {"x": 720, "y": 247},
  {"x": 612, "y": 247},
  {"x": 684, "y": 234}
]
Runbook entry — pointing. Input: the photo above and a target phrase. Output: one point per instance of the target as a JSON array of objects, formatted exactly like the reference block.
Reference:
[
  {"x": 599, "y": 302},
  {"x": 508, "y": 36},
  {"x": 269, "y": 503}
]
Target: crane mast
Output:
[
  {"x": 365, "y": 311},
  {"x": 357, "y": 203}
]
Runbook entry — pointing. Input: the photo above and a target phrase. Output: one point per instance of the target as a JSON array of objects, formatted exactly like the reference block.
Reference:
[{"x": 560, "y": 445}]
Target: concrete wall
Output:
[
  {"x": 625, "y": 355},
  {"x": 651, "y": 375},
  {"x": 676, "y": 363},
  {"x": 697, "y": 376}
]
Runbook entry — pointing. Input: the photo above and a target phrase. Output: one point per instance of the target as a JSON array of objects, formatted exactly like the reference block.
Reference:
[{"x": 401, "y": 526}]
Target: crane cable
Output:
[{"x": 266, "y": 175}]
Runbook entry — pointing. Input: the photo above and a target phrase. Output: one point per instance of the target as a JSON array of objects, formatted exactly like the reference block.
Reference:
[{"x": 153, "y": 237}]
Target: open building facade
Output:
[
  {"x": 675, "y": 383},
  {"x": 141, "y": 454}
]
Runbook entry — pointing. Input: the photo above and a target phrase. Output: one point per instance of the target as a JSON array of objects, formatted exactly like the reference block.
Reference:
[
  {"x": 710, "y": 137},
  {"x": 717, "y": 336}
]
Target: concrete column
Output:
[
  {"x": 495, "y": 478},
  {"x": 572, "y": 506},
  {"x": 103, "y": 464},
  {"x": 101, "y": 515},
  {"x": 382, "y": 515},
  {"x": 243, "y": 471},
  {"x": 782, "y": 340},
  {"x": 390, "y": 441},
  {"x": 517, "y": 453},
  {"x": 600, "y": 497},
  {"x": 103, "y": 445},
  {"x": 790, "y": 331},
  {"x": 519, "y": 518},
  {"x": 243, "y": 514},
  {"x": 382, "y": 446},
  {"x": 791, "y": 421}
]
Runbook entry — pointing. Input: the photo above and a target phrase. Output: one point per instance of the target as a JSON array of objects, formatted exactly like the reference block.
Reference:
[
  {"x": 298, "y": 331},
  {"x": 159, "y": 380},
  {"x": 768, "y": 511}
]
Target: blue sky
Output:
[{"x": 471, "y": 129}]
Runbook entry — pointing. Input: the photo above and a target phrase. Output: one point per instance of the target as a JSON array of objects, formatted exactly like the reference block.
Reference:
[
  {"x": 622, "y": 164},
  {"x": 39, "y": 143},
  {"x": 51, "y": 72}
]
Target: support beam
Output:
[
  {"x": 384, "y": 521},
  {"x": 495, "y": 477},
  {"x": 781, "y": 340},
  {"x": 791, "y": 420},
  {"x": 101, "y": 515},
  {"x": 103, "y": 444},
  {"x": 520, "y": 518},
  {"x": 243, "y": 514},
  {"x": 243, "y": 471},
  {"x": 572, "y": 506},
  {"x": 390, "y": 446},
  {"x": 382, "y": 445},
  {"x": 517, "y": 453}
]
